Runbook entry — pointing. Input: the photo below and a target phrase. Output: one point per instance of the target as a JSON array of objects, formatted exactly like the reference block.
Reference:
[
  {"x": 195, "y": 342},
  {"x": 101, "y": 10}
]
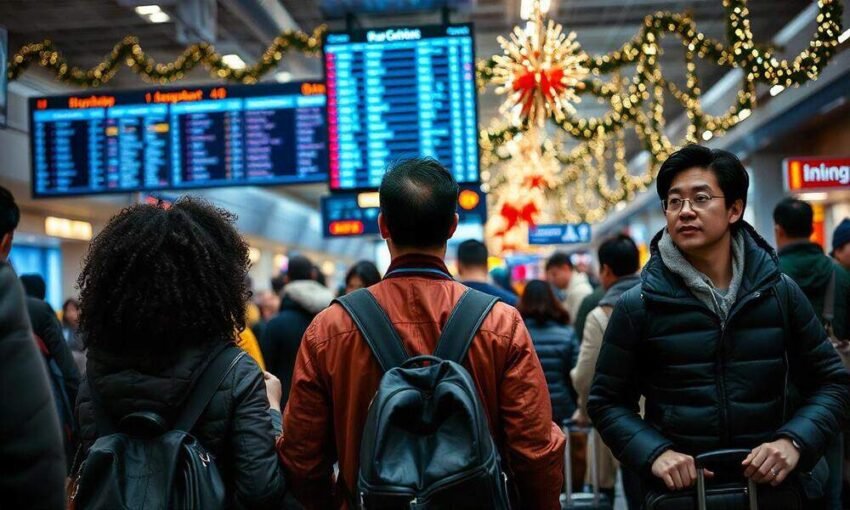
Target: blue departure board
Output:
[
  {"x": 343, "y": 215},
  {"x": 146, "y": 140},
  {"x": 397, "y": 93}
]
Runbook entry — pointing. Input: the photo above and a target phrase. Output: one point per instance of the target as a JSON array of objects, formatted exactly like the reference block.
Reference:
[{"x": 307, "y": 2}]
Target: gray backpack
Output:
[{"x": 426, "y": 443}]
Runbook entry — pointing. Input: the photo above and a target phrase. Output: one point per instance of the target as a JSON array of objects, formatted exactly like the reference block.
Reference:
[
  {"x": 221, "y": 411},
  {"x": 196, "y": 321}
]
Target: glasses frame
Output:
[{"x": 688, "y": 200}]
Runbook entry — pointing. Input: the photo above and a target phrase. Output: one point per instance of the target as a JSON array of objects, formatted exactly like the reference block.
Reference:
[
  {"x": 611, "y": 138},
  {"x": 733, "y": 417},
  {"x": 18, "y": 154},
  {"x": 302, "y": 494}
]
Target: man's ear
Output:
[
  {"x": 382, "y": 227},
  {"x": 453, "y": 228},
  {"x": 736, "y": 212}
]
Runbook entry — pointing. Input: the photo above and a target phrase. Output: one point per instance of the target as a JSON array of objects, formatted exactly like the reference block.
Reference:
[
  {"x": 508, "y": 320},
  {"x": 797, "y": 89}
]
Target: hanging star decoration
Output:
[{"x": 540, "y": 70}]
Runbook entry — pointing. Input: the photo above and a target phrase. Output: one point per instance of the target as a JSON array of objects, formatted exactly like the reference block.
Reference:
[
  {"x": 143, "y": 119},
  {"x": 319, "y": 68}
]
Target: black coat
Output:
[
  {"x": 235, "y": 427},
  {"x": 281, "y": 340},
  {"x": 49, "y": 329},
  {"x": 557, "y": 348},
  {"x": 32, "y": 458},
  {"x": 710, "y": 385}
]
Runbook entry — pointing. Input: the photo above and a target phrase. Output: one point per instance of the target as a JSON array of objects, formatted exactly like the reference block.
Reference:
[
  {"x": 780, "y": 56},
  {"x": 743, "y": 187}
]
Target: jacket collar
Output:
[
  {"x": 620, "y": 286},
  {"x": 761, "y": 270},
  {"x": 418, "y": 264}
]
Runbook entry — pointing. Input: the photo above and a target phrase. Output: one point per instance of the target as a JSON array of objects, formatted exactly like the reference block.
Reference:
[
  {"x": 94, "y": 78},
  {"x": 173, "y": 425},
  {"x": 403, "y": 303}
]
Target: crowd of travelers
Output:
[{"x": 169, "y": 384}]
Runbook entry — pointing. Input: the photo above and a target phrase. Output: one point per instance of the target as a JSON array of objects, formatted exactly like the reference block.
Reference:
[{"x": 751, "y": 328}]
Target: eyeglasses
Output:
[{"x": 699, "y": 203}]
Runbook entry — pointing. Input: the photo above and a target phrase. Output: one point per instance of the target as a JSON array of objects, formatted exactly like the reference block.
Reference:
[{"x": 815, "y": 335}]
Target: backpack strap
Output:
[
  {"x": 829, "y": 300},
  {"x": 207, "y": 385},
  {"x": 463, "y": 324},
  {"x": 377, "y": 330}
]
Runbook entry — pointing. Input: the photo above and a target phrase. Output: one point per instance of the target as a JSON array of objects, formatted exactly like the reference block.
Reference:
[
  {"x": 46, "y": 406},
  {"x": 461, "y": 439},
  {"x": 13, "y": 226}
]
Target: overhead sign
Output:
[
  {"x": 567, "y": 233},
  {"x": 812, "y": 173},
  {"x": 352, "y": 214}
]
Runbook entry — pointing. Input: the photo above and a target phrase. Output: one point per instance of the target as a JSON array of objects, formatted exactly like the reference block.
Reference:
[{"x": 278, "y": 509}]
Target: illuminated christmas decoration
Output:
[{"x": 540, "y": 70}]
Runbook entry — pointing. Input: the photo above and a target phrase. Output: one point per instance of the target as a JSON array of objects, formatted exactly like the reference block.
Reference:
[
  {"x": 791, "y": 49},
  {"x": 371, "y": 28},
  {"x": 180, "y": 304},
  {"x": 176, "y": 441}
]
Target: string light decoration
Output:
[
  {"x": 585, "y": 188},
  {"x": 131, "y": 53},
  {"x": 540, "y": 70}
]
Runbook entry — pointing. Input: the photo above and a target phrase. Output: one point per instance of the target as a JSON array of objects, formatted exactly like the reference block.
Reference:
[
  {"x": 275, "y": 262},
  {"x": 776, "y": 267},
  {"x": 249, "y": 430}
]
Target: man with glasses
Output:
[{"x": 714, "y": 336}]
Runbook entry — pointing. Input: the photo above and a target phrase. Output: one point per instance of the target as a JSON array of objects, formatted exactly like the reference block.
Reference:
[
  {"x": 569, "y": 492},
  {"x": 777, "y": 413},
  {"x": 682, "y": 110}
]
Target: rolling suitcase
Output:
[
  {"x": 583, "y": 501},
  {"x": 726, "y": 495}
]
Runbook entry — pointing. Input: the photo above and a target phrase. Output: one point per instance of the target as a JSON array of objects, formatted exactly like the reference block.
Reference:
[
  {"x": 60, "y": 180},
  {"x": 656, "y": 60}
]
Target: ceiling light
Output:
[
  {"x": 707, "y": 135},
  {"x": 147, "y": 10},
  {"x": 159, "y": 17},
  {"x": 776, "y": 89},
  {"x": 745, "y": 113},
  {"x": 328, "y": 267},
  {"x": 68, "y": 229},
  {"x": 283, "y": 77},
  {"x": 368, "y": 200},
  {"x": 843, "y": 37},
  {"x": 813, "y": 197},
  {"x": 235, "y": 61},
  {"x": 254, "y": 255}
]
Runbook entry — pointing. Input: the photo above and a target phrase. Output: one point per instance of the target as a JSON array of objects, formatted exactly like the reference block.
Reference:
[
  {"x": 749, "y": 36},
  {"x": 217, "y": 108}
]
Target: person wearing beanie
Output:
[{"x": 841, "y": 243}]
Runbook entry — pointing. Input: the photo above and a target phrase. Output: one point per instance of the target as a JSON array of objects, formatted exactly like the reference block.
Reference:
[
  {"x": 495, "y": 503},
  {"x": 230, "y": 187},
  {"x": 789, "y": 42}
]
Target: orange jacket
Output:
[{"x": 336, "y": 377}]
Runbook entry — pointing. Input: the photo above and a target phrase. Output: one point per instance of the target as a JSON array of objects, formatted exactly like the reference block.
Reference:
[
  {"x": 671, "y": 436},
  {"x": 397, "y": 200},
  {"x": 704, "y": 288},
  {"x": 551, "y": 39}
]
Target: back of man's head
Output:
[
  {"x": 10, "y": 215},
  {"x": 418, "y": 203},
  {"x": 620, "y": 254},
  {"x": 34, "y": 286},
  {"x": 559, "y": 259},
  {"x": 795, "y": 217},
  {"x": 300, "y": 268},
  {"x": 472, "y": 254}
]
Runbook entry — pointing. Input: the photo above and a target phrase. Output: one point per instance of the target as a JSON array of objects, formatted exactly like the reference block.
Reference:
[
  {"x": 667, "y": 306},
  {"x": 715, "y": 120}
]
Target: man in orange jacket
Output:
[{"x": 336, "y": 374}]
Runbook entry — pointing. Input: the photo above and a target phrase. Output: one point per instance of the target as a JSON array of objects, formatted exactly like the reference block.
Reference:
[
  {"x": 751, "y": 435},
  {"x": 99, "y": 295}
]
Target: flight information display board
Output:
[
  {"x": 396, "y": 93},
  {"x": 268, "y": 134},
  {"x": 350, "y": 214}
]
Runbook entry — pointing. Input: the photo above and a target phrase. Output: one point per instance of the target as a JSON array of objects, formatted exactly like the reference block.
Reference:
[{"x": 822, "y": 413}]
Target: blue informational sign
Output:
[
  {"x": 342, "y": 215},
  {"x": 559, "y": 234},
  {"x": 178, "y": 138},
  {"x": 396, "y": 93}
]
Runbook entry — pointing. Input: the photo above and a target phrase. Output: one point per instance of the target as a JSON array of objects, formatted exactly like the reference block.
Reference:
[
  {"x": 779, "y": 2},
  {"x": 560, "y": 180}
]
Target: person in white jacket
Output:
[
  {"x": 571, "y": 285},
  {"x": 619, "y": 261}
]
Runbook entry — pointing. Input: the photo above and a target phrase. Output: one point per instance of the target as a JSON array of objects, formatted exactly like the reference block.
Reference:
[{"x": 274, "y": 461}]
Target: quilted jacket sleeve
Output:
[
  {"x": 614, "y": 400},
  {"x": 258, "y": 476},
  {"x": 818, "y": 373},
  {"x": 534, "y": 444}
]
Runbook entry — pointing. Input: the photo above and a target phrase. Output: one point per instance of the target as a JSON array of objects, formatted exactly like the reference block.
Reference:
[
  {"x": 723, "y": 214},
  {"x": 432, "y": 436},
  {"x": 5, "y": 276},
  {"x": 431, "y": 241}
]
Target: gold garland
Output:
[{"x": 130, "y": 52}]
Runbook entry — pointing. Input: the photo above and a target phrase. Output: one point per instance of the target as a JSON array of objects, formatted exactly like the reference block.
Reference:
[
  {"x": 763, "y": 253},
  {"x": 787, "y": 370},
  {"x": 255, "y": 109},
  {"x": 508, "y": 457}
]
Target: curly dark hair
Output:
[{"x": 157, "y": 280}]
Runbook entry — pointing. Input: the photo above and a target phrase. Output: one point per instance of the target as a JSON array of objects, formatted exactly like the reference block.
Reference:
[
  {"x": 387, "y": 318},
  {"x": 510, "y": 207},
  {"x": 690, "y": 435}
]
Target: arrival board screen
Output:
[
  {"x": 397, "y": 93},
  {"x": 267, "y": 134}
]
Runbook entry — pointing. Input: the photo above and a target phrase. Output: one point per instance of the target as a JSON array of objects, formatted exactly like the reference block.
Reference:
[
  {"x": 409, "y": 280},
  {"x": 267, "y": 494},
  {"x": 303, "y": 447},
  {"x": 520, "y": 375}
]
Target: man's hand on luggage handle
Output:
[
  {"x": 677, "y": 470},
  {"x": 771, "y": 462},
  {"x": 580, "y": 418}
]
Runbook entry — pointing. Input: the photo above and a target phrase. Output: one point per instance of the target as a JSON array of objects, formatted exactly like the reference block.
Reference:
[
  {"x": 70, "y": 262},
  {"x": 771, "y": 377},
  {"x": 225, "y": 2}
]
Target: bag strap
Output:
[
  {"x": 377, "y": 330},
  {"x": 207, "y": 385},
  {"x": 829, "y": 300},
  {"x": 463, "y": 324}
]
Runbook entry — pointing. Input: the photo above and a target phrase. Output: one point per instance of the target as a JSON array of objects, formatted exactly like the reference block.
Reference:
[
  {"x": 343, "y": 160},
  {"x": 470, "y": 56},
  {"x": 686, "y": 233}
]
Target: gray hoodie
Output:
[{"x": 700, "y": 285}]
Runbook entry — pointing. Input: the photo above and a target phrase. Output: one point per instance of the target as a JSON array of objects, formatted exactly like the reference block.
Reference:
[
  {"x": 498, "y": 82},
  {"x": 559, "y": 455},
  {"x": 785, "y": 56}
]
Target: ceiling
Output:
[{"x": 86, "y": 30}]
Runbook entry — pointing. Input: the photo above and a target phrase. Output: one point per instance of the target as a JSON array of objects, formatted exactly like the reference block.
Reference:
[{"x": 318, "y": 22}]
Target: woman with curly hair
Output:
[{"x": 162, "y": 293}]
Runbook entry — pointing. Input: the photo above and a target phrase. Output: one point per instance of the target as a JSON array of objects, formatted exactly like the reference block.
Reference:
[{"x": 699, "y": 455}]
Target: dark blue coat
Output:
[
  {"x": 557, "y": 348},
  {"x": 711, "y": 385}
]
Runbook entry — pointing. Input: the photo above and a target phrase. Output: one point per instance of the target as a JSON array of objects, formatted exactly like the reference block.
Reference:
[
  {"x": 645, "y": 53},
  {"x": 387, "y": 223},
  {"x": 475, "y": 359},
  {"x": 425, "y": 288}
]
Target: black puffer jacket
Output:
[
  {"x": 557, "y": 348},
  {"x": 710, "y": 385},
  {"x": 235, "y": 427},
  {"x": 32, "y": 461}
]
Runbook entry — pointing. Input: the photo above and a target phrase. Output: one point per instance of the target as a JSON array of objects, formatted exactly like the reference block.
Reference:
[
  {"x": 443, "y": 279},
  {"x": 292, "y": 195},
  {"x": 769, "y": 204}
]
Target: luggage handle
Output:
[
  {"x": 567, "y": 426},
  {"x": 729, "y": 456}
]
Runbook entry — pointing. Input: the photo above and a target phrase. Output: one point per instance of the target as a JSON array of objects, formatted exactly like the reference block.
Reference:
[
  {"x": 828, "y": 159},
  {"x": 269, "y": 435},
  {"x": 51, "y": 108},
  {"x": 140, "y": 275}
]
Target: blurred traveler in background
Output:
[
  {"x": 841, "y": 243},
  {"x": 557, "y": 348},
  {"x": 156, "y": 311},
  {"x": 268, "y": 304},
  {"x": 502, "y": 277},
  {"x": 713, "y": 329},
  {"x": 587, "y": 304},
  {"x": 827, "y": 287},
  {"x": 47, "y": 333},
  {"x": 362, "y": 275},
  {"x": 618, "y": 261},
  {"x": 571, "y": 286},
  {"x": 70, "y": 331},
  {"x": 337, "y": 374},
  {"x": 472, "y": 271},
  {"x": 301, "y": 299},
  {"x": 34, "y": 286}
]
